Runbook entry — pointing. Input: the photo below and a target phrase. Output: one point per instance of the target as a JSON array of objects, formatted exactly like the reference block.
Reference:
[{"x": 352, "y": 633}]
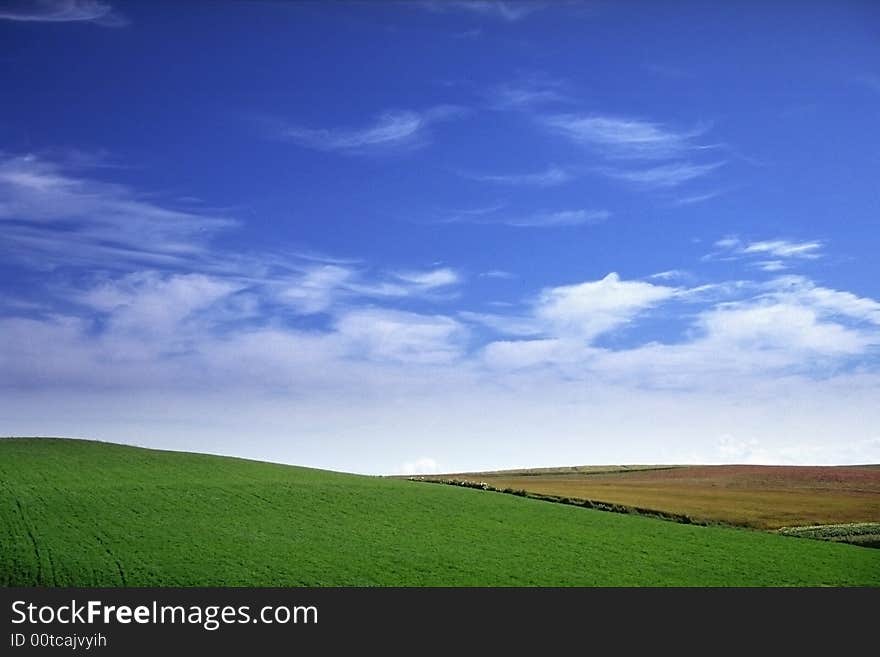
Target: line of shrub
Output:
[{"x": 573, "y": 501}]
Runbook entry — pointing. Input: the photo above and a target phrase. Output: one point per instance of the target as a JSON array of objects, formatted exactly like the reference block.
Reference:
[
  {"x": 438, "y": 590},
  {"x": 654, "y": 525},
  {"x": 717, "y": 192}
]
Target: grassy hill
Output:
[{"x": 85, "y": 513}]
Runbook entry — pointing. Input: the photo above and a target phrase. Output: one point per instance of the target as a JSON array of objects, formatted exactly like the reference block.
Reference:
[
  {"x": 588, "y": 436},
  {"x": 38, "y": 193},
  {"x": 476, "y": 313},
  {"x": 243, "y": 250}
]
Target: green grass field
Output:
[{"x": 77, "y": 513}]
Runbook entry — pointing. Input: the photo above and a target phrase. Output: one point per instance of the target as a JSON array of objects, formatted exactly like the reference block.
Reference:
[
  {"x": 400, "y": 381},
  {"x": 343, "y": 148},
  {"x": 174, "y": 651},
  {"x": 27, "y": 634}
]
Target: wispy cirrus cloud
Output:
[
  {"x": 431, "y": 278},
  {"x": 500, "y": 215},
  {"x": 666, "y": 175},
  {"x": 768, "y": 255},
  {"x": 549, "y": 177},
  {"x": 499, "y": 9},
  {"x": 316, "y": 289},
  {"x": 515, "y": 325},
  {"x": 62, "y": 11},
  {"x": 694, "y": 199},
  {"x": 52, "y": 214},
  {"x": 670, "y": 275},
  {"x": 528, "y": 92},
  {"x": 624, "y": 138},
  {"x": 557, "y": 218},
  {"x": 785, "y": 248},
  {"x": 391, "y": 130},
  {"x": 498, "y": 273},
  {"x": 771, "y": 265},
  {"x": 646, "y": 154}
]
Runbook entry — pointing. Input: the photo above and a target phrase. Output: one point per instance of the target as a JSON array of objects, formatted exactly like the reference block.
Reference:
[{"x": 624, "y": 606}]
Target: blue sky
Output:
[{"x": 420, "y": 236}]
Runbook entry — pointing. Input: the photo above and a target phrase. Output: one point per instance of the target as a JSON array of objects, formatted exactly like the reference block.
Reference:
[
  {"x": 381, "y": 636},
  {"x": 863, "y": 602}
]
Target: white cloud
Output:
[
  {"x": 556, "y": 219},
  {"x": 506, "y": 11},
  {"x": 548, "y": 178},
  {"x": 523, "y": 354},
  {"x": 317, "y": 289},
  {"x": 647, "y": 154},
  {"x": 771, "y": 265},
  {"x": 779, "y": 326},
  {"x": 406, "y": 284},
  {"x": 422, "y": 466},
  {"x": 184, "y": 330},
  {"x": 62, "y": 11},
  {"x": 499, "y": 215},
  {"x": 387, "y": 335},
  {"x": 441, "y": 277},
  {"x": 752, "y": 451},
  {"x": 498, "y": 273},
  {"x": 788, "y": 325},
  {"x": 670, "y": 275},
  {"x": 776, "y": 252},
  {"x": 505, "y": 324},
  {"x": 697, "y": 198},
  {"x": 729, "y": 242},
  {"x": 827, "y": 301},
  {"x": 595, "y": 307},
  {"x": 155, "y": 303},
  {"x": 665, "y": 175},
  {"x": 391, "y": 130},
  {"x": 527, "y": 92},
  {"x": 795, "y": 328},
  {"x": 785, "y": 249},
  {"x": 226, "y": 349},
  {"x": 620, "y": 137},
  {"x": 49, "y": 215},
  {"x": 357, "y": 391},
  {"x": 568, "y": 318}
]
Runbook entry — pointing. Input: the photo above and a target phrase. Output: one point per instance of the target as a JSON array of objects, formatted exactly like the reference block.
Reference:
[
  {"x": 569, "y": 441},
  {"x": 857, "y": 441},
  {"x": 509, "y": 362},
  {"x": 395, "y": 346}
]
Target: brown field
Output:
[{"x": 764, "y": 497}]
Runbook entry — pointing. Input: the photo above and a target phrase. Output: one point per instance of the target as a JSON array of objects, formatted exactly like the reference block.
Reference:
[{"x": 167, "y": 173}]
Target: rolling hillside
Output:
[{"x": 79, "y": 513}]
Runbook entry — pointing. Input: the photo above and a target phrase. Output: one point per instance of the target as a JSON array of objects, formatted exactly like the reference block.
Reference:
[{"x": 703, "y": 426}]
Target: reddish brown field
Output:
[{"x": 765, "y": 497}]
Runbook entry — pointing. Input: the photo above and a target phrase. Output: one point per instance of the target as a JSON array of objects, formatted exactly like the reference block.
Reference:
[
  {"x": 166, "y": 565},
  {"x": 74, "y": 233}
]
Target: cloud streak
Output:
[
  {"x": 785, "y": 249},
  {"x": 667, "y": 176},
  {"x": 320, "y": 288},
  {"x": 623, "y": 138},
  {"x": 55, "y": 218},
  {"x": 549, "y": 177},
  {"x": 391, "y": 130},
  {"x": 647, "y": 154},
  {"x": 528, "y": 92},
  {"x": 499, "y": 215},
  {"x": 767, "y": 255},
  {"x": 62, "y": 11},
  {"x": 561, "y": 218},
  {"x": 509, "y": 12},
  {"x": 53, "y": 215}
]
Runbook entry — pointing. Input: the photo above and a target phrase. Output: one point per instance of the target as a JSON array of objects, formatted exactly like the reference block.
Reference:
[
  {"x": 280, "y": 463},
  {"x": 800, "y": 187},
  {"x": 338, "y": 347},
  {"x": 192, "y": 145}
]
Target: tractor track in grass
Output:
[{"x": 37, "y": 556}]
